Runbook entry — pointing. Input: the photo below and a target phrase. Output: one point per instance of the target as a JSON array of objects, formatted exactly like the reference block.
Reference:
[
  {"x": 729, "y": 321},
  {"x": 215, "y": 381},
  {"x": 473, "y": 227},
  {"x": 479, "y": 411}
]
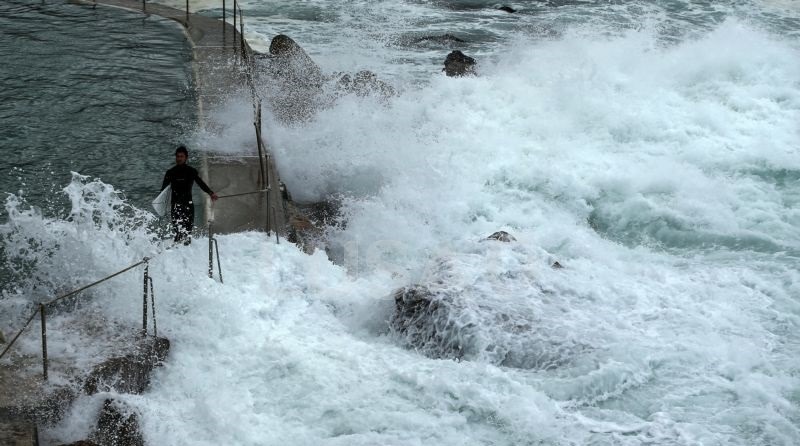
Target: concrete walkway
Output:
[{"x": 219, "y": 73}]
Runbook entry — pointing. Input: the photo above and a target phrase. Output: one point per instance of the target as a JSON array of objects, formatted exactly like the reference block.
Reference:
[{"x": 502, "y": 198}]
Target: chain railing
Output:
[{"x": 42, "y": 310}]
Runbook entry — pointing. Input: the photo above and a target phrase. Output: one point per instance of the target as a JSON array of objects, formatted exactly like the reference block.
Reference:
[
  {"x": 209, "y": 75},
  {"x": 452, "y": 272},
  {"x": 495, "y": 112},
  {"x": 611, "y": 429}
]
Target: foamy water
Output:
[{"x": 664, "y": 177}]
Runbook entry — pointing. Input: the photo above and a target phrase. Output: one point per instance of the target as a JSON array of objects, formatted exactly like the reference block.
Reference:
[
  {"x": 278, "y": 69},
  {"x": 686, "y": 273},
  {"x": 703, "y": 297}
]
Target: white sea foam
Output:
[{"x": 653, "y": 174}]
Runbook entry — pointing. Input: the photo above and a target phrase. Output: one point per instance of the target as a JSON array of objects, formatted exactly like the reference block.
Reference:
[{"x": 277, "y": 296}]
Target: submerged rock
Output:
[
  {"x": 458, "y": 64},
  {"x": 129, "y": 373},
  {"x": 469, "y": 311},
  {"x": 422, "y": 318},
  {"x": 502, "y": 236},
  {"x": 507, "y": 9},
  {"x": 118, "y": 425},
  {"x": 364, "y": 83},
  {"x": 444, "y": 39}
]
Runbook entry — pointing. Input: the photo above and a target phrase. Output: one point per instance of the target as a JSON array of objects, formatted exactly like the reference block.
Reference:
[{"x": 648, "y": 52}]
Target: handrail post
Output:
[
  {"x": 210, "y": 250},
  {"x": 153, "y": 303},
  {"x": 144, "y": 296},
  {"x": 219, "y": 264},
  {"x": 44, "y": 341},
  {"x": 187, "y": 12},
  {"x": 275, "y": 222},
  {"x": 224, "y": 23},
  {"x": 233, "y": 41},
  {"x": 241, "y": 37}
]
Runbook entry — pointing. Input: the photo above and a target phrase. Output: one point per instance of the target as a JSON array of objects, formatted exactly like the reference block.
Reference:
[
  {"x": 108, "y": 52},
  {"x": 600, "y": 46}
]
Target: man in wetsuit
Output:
[{"x": 181, "y": 178}]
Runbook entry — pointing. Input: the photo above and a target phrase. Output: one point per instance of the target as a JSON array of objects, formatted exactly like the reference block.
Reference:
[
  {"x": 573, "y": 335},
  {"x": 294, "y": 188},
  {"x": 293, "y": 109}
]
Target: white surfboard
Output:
[{"x": 162, "y": 202}]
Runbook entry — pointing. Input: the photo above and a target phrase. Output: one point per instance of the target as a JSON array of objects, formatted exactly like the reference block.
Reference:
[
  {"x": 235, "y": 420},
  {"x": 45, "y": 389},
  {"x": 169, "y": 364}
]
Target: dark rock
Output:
[
  {"x": 117, "y": 426},
  {"x": 507, "y": 9},
  {"x": 81, "y": 443},
  {"x": 502, "y": 236},
  {"x": 466, "y": 311},
  {"x": 129, "y": 373},
  {"x": 296, "y": 87},
  {"x": 422, "y": 319},
  {"x": 294, "y": 81},
  {"x": 458, "y": 64},
  {"x": 294, "y": 62},
  {"x": 556, "y": 265},
  {"x": 444, "y": 39},
  {"x": 364, "y": 83}
]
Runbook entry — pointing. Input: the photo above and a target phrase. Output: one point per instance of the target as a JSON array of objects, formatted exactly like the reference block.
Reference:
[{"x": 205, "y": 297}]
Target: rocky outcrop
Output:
[
  {"x": 440, "y": 40},
  {"x": 469, "y": 312},
  {"x": 129, "y": 373},
  {"x": 291, "y": 62},
  {"x": 363, "y": 83},
  {"x": 296, "y": 86},
  {"x": 502, "y": 236},
  {"x": 117, "y": 425},
  {"x": 458, "y": 64},
  {"x": 422, "y": 318},
  {"x": 307, "y": 223},
  {"x": 507, "y": 9}
]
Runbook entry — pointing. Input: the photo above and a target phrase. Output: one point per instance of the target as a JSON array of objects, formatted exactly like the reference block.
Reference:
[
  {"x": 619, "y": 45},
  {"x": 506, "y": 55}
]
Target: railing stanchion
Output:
[
  {"x": 241, "y": 36},
  {"x": 187, "y": 12},
  {"x": 234, "y": 29},
  {"x": 219, "y": 264},
  {"x": 44, "y": 341},
  {"x": 275, "y": 222},
  {"x": 210, "y": 250},
  {"x": 153, "y": 304},
  {"x": 224, "y": 23},
  {"x": 144, "y": 296}
]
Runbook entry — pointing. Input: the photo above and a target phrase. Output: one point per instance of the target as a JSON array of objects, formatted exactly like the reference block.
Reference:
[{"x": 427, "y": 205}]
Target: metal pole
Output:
[
  {"x": 144, "y": 298},
  {"x": 144, "y": 5},
  {"x": 44, "y": 341},
  {"x": 219, "y": 264},
  {"x": 275, "y": 221},
  {"x": 153, "y": 303},
  {"x": 241, "y": 35},
  {"x": 187, "y": 12},
  {"x": 210, "y": 251},
  {"x": 224, "y": 23},
  {"x": 234, "y": 28}
]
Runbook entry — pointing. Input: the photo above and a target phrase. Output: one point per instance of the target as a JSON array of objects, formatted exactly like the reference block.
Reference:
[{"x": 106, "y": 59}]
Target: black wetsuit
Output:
[{"x": 182, "y": 178}]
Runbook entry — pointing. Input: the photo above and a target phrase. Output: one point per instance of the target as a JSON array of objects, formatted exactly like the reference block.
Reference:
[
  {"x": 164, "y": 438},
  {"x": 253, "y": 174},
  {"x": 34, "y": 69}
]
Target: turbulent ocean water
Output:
[{"x": 651, "y": 148}]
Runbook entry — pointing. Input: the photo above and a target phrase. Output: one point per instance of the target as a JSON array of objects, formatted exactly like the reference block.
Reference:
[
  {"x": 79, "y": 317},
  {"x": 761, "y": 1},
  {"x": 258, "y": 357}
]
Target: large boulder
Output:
[
  {"x": 472, "y": 310},
  {"x": 458, "y": 64},
  {"x": 129, "y": 373},
  {"x": 297, "y": 87},
  {"x": 118, "y": 425},
  {"x": 363, "y": 83}
]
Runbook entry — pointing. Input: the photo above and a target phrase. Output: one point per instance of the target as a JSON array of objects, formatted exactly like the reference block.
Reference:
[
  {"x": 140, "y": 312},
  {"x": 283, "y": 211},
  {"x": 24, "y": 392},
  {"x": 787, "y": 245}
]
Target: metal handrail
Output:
[{"x": 41, "y": 310}]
